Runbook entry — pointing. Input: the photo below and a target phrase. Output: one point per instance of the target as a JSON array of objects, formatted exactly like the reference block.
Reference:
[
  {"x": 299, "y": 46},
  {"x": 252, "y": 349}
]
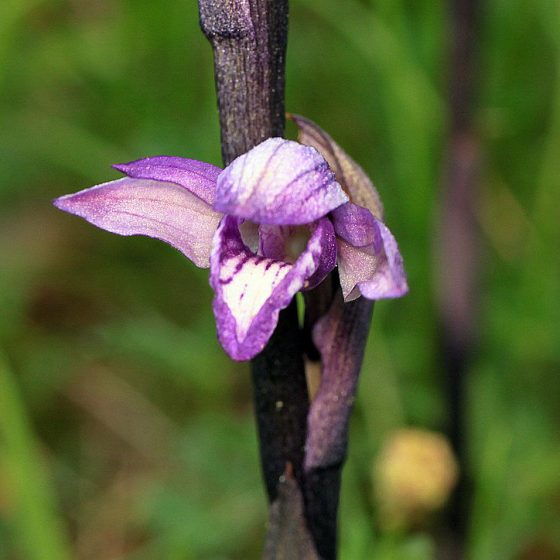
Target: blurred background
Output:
[{"x": 125, "y": 431}]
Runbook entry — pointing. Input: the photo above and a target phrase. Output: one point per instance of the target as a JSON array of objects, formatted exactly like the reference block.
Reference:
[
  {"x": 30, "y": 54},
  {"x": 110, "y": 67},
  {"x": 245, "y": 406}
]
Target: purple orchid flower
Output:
[{"x": 269, "y": 225}]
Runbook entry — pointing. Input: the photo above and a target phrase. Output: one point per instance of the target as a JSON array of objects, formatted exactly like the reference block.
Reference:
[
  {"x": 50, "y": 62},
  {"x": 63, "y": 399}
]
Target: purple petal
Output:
[
  {"x": 165, "y": 211},
  {"x": 354, "y": 224},
  {"x": 279, "y": 182},
  {"x": 327, "y": 257},
  {"x": 348, "y": 173},
  {"x": 196, "y": 176},
  {"x": 251, "y": 290},
  {"x": 374, "y": 271}
]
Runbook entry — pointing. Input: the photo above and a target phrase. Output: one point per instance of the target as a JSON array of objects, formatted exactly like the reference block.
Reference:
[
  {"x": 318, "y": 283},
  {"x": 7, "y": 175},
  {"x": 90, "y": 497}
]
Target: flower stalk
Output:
[
  {"x": 249, "y": 42},
  {"x": 457, "y": 249},
  {"x": 249, "y": 38}
]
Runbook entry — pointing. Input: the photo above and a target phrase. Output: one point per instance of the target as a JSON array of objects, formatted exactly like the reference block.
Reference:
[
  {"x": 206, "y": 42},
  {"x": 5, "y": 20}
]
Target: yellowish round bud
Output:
[{"x": 413, "y": 476}]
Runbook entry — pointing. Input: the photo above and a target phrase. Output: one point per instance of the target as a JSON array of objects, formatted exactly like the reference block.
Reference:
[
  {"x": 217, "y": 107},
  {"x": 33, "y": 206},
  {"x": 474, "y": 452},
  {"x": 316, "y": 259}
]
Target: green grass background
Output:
[{"x": 125, "y": 432}]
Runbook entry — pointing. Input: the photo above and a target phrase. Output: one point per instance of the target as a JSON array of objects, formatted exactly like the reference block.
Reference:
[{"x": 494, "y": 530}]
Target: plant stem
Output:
[
  {"x": 302, "y": 455},
  {"x": 458, "y": 243},
  {"x": 249, "y": 42}
]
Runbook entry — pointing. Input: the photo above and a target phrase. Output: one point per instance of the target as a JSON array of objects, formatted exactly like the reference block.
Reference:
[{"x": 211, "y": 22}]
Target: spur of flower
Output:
[{"x": 275, "y": 221}]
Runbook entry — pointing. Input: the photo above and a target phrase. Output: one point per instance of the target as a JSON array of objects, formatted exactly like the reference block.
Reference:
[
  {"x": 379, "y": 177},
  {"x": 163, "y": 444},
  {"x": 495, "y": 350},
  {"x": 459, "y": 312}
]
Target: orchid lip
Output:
[{"x": 250, "y": 289}]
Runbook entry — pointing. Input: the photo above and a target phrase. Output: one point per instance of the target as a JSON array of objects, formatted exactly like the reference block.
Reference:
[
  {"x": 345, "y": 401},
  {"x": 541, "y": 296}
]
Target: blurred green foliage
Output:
[{"x": 125, "y": 432}]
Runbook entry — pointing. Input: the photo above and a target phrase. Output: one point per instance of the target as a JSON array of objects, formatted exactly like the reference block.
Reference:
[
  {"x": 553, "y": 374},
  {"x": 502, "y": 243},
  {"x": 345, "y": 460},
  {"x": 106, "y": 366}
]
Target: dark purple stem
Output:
[
  {"x": 249, "y": 42},
  {"x": 458, "y": 242}
]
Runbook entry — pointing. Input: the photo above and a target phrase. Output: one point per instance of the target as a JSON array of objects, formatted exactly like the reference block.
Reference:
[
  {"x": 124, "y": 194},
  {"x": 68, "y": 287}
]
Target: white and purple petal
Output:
[
  {"x": 250, "y": 290},
  {"x": 196, "y": 176},
  {"x": 279, "y": 182},
  {"x": 374, "y": 271},
  {"x": 165, "y": 211}
]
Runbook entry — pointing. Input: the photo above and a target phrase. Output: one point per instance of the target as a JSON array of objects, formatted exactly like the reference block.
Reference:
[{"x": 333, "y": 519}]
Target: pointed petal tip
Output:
[
  {"x": 58, "y": 202},
  {"x": 160, "y": 210},
  {"x": 120, "y": 167},
  {"x": 72, "y": 203}
]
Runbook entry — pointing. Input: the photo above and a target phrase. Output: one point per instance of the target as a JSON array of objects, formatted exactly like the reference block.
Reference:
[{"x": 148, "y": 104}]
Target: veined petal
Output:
[
  {"x": 326, "y": 259},
  {"x": 374, "y": 271},
  {"x": 165, "y": 211},
  {"x": 196, "y": 176},
  {"x": 348, "y": 173},
  {"x": 251, "y": 290},
  {"x": 279, "y": 182},
  {"x": 354, "y": 224}
]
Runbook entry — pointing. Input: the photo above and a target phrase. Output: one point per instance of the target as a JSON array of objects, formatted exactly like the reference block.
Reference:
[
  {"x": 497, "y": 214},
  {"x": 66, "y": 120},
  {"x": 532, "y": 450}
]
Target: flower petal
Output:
[
  {"x": 327, "y": 257},
  {"x": 374, "y": 271},
  {"x": 348, "y": 173},
  {"x": 196, "y": 176},
  {"x": 279, "y": 182},
  {"x": 165, "y": 211},
  {"x": 251, "y": 290},
  {"x": 354, "y": 224}
]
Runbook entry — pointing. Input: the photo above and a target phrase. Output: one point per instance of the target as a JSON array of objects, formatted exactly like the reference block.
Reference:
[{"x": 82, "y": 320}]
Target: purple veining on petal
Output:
[
  {"x": 156, "y": 209},
  {"x": 250, "y": 290},
  {"x": 279, "y": 182},
  {"x": 196, "y": 176},
  {"x": 376, "y": 270},
  {"x": 327, "y": 258},
  {"x": 354, "y": 224}
]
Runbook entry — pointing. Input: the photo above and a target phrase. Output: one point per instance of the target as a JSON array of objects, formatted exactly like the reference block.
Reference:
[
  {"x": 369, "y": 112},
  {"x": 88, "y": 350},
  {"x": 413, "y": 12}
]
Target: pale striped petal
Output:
[{"x": 165, "y": 211}]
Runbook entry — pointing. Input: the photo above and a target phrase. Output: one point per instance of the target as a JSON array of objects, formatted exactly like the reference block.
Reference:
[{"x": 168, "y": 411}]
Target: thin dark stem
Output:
[
  {"x": 281, "y": 402},
  {"x": 458, "y": 244},
  {"x": 302, "y": 456},
  {"x": 249, "y": 42}
]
